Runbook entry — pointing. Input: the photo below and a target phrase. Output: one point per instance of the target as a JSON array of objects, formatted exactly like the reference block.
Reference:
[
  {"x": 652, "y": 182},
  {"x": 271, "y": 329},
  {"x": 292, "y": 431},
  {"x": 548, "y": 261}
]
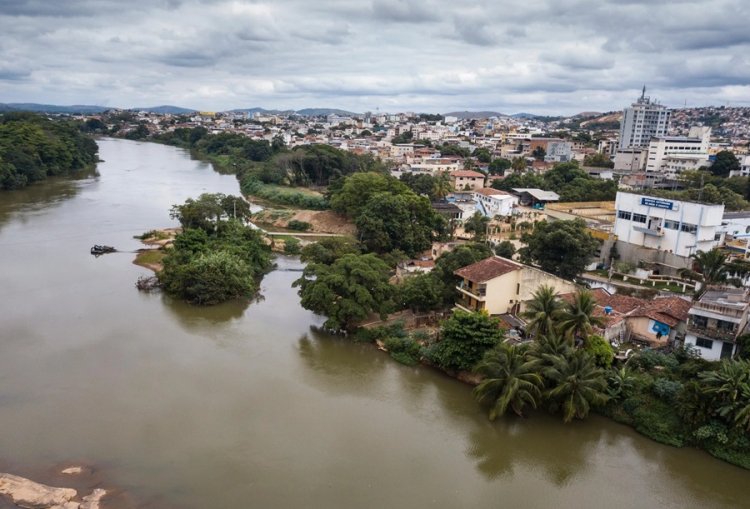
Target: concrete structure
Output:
[
  {"x": 630, "y": 160},
  {"x": 493, "y": 202},
  {"x": 464, "y": 180},
  {"x": 744, "y": 169},
  {"x": 717, "y": 319},
  {"x": 499, "y": 286},
  {"x": 531, "y": 197},
  {"x": 642, "y": 121},
  {"x": 559, "y": 151},
  {"x": 668, "y": 156},
  {"x": 679, "y": 227}
]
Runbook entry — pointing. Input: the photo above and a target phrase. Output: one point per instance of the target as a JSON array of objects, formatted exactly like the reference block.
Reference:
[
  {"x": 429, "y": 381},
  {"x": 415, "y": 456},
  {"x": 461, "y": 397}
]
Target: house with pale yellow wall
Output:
[{"x": 499, "y": 286}]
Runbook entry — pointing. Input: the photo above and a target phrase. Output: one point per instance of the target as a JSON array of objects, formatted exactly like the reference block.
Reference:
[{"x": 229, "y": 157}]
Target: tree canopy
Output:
[{"x": 563, "y": 248}]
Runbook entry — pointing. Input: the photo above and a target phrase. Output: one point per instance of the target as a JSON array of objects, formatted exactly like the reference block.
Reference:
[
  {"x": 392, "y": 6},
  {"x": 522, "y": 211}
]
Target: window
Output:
[
  {"x": 639, "y": 218},
  {"x": 623, "y": 215},
  {"x": 671, "y": 225},
  {"x": 689, "y": 228},
  {"x": 704, "y": 343}
]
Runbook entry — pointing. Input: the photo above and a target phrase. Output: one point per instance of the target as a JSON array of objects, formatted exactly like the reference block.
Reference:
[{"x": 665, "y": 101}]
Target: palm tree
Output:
[
  {"x": 542, "y": 311},
  {"x": 442, "y": 186},
  {"x": 729, "y": 387},
  {"x": 709, "y": 267},
  {"x": 577, "y": 320},
  {"x": 512, "y": 380},
  {"x": 620, "y": 382},
  {"x": 577, "y": 384}
]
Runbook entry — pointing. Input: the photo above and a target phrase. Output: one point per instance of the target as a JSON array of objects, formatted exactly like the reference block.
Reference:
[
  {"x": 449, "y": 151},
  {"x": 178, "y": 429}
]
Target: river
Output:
[{"x": 242, "y": 405}]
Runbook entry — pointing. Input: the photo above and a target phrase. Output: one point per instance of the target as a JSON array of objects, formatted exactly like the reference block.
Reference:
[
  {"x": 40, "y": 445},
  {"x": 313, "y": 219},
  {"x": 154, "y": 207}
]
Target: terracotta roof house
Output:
[{"x": 499, "y": 286}]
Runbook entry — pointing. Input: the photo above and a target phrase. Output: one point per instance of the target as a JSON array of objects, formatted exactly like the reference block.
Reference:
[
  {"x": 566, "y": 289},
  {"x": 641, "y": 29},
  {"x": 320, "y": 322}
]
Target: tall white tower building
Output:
[{"x": 642, "y": 121}]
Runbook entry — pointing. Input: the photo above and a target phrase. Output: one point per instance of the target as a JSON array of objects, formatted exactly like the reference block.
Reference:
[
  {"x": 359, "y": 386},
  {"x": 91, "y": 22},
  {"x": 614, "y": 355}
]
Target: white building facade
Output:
[
  {"x": 492, "y": 202},
  {"x": 716, "y": 320},
  {"x": 669, "y": 155},
  {"x": 642, "y": 121},
  {"x": 679, "y": 227}
]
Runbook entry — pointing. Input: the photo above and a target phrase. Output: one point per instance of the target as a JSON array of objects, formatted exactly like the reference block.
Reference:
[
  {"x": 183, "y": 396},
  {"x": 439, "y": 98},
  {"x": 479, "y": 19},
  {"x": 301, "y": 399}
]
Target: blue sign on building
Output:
[{"x": 659, "y": 204}]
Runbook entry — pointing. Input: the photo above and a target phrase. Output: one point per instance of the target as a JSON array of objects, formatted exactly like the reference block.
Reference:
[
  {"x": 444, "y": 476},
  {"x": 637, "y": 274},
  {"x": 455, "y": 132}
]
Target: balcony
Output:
[
  {"x": 465, "y": 304},
  {"x": 649, "y": 231},
  {"x": 478, "y": 292},
  {"x": 712, "y": 333}
]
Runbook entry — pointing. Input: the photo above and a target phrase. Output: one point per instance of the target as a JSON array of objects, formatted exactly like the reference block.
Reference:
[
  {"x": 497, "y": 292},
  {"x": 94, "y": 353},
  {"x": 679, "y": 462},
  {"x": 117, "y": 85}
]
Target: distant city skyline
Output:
[{"x": 432, "y": 56}]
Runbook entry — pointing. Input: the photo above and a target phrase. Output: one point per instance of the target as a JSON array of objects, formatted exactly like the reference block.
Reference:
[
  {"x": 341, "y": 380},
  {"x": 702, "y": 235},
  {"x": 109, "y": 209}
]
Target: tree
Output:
[
  {"x": 423, "y": 292},
  {"x": 563, "y": 248},
  {"x": 205, "y": 212},
  {"x": 577, "y": 385},
  {"x": 465, "y": 337},
  {"x": 499, "y": 166},
  {"x": 406, "y": 222},
  {"x": 598, "y": 161},
  {"x": 729, "y": 389},
  {"x": 327, "y": 250},
  {"x": 709, "y": 267},
  {"x": 600, "y": 349},
  {"x": 725, "y": 163},
  {"x": 519, "y": 164},
  {"x": 577, "y": 319},
  {"x": 543, "y": 311},
  {"x": 506, "y": 249},
  {"x": 355, "y": 191},
  {"x": 539, "y": 153},
  {"x": 442, "y": 186},
  {"x": 483, "y": 155},
  {"x": 511, "y": 380},
  {"x": 209, "y": 278},
  {"x": 347, "y": 291},
  {"x": 477, "y": 224}
]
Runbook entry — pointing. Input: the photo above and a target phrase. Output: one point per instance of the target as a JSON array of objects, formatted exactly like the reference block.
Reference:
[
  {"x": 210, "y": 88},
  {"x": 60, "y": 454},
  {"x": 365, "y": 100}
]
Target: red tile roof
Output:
[
  {"x": 467, "y": 173},
  {"x": 487, "y": 269}
]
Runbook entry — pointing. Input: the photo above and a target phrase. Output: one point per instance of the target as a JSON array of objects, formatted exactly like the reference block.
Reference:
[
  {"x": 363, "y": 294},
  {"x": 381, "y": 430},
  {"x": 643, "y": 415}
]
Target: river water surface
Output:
[{"x": 242, "y": 405}]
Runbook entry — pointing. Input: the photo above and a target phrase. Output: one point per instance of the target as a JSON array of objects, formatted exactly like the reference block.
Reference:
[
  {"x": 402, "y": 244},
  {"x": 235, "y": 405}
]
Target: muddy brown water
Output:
[{"x": 247, "y": 404}]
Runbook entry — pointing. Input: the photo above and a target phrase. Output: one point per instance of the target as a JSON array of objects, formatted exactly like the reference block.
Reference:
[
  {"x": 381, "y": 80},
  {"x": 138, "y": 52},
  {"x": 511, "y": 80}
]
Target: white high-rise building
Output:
[{"x": 642, "y": 121}]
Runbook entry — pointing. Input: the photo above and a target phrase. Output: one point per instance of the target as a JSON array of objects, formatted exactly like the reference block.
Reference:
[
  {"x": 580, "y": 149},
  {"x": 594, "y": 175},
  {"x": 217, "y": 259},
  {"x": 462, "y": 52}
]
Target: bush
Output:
[
  {"x": 666, "y": 389},
  {"x": 404, "y": 350},
  {"x": 252, "y": 186},
  {"x": 300, "y": 226},
  {"x": 370, "y": 335},
  {"x": 291, "y": 246},
  {"x": 658, "y": 420},
  {"x": 649, "y": 359}
]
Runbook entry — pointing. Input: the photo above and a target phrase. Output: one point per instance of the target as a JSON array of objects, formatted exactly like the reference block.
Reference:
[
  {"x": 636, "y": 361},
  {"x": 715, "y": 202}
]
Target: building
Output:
[
  {"x": 499, "y": 286},
  {"x": 681, "y": 228},
  {"x": 717, "y": 319},
  {"x": 668, "y": 156},
  {"x": 642, "y": 121},
  {"x": 744, "y": 168},
  {"x": 531, "y": 197},
  {"x": 493, "y": 202},
  {"x": 464, "y": 180}
]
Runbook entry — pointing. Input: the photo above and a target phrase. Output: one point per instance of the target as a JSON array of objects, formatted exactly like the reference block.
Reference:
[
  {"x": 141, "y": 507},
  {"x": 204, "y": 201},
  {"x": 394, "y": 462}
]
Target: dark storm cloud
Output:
[{"x": 435, "y": 55}]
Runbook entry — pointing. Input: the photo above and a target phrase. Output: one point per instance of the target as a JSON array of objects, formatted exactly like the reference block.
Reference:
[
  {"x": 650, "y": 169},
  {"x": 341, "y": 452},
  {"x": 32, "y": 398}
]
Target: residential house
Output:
[
  {"x": 499, "y": 286},
  {"x": 717, "y": 319},
  {"x": 493, "y": 202},
  {"x": 464, "y": 180}
]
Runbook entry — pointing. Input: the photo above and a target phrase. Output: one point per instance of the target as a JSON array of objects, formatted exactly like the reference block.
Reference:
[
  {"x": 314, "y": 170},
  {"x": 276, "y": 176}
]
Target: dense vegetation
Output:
[
  {"x": 563, "y": 248},
  {"x": 566, "y": 179},
  {"x": 216, "y": 257},
  {"x": 33, "y": 147},
  {"x": 706, "y": 187}
]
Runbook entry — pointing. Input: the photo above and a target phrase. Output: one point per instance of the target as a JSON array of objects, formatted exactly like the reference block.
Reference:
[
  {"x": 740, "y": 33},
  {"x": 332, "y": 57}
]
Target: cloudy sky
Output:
[{"x": 539, "y": 56}]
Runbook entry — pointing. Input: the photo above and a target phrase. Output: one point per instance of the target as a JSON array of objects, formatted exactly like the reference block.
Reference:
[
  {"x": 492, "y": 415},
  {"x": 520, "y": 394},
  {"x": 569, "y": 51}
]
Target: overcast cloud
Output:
[{"x": 540, "y": 56}]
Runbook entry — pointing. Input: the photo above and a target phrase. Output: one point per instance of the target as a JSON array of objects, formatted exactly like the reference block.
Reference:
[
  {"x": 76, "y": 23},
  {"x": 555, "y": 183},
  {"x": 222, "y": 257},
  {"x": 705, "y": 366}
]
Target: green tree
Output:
[
  {"x": 422, "y": 292},
  {"x": 209, "y": 278},
  {"x": 563, "y": 248},
  {"x": 729, "y": 389},
  {"x": 577, "y": 319},
  {"x": 577, "y": 385},
  {"x": 347, "y": 291},
  {"x": 477, "y": 225},
  {"x": 600, "y": 349},
  {"x": 356, "y": 190},
  {"x": 327, "y": 250},
  {"x": 483, "y": 155},
  {"x": 543, "y": 311},
  {"x": 511, "y": 380},
  {"x": 204, "y": 213},
  {"x": 406, "y": 222},
  {"x": 506, "y": 249},
  {"x": 725, "y": 163},
  {"x": 519, "y": 164},
  {"x": 709, "y": 267},
  {"x": 499, "y": 166},
  {"x": 598, "y": 161},
  {"x": 465, "y": 337},
  {"x": 442, "y": 186},
  {"x": 539, "y": 153}
]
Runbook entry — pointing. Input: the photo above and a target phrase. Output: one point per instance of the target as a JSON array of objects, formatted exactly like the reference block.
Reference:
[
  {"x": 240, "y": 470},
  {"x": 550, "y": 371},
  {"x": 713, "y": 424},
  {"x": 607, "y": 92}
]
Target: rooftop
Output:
[
  {"x": 487, "y": 269},
  {"x": 467, "y": 173},
  {"x": 539, "y": 194}
]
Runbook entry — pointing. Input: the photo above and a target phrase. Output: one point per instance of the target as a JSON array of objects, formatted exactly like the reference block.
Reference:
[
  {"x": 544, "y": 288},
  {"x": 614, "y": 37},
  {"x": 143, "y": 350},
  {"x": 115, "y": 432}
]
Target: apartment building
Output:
[
  {"x": 670, "y": 155},
  {"x": 642, "y": 121}
]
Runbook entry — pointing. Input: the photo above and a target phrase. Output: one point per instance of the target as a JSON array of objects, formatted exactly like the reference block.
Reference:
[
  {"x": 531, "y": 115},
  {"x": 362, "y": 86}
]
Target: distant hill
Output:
[
  {"x": 166, "y": 109},
  {"x": 318, "y": 112},
  {"x": 53, "y": 108},
  {"x": 474, "y": 114}
]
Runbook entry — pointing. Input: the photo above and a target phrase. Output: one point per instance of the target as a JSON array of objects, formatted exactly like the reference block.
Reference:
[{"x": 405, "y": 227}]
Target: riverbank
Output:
[{"x": 82, "y": 490}]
